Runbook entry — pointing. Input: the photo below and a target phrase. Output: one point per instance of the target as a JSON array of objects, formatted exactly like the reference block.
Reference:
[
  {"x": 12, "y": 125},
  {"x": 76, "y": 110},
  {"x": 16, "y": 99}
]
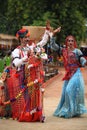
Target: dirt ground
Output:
[{"x": 51, "y": 99}]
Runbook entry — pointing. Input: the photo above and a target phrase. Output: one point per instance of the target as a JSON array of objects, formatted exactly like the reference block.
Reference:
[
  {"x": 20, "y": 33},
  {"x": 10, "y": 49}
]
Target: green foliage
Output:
[
  {"x": 46, "y": 16},
  {"x": 70, "y": 15}
]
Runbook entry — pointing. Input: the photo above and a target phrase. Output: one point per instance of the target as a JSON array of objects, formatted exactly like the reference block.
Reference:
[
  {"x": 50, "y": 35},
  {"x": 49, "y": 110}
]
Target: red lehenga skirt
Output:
[
  {"x": 28, "y": 82},
  {"x": 14, "y": 86},
  {"x": 33, "y": 108}
]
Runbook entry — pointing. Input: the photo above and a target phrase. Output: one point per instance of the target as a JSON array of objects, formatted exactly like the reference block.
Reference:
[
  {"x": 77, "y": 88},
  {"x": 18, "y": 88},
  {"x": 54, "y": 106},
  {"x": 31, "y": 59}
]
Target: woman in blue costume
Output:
[{"x": 72, "y": 99}]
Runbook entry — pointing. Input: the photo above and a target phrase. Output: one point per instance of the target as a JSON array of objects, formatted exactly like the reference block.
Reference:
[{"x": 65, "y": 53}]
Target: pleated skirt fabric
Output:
[{"x": 72, "y": 99}]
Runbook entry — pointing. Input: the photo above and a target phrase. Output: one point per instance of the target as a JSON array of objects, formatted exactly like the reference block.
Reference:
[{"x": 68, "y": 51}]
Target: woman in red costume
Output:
[
  {"x": 15, "y": 82},
  {"x": 23, "y": 75},
  {"x": 72, "y": 99}
]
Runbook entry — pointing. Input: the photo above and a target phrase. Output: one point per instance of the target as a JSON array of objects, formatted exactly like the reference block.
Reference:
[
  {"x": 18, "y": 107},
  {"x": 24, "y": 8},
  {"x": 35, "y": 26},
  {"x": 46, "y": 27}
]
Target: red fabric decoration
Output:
[
  {"x": 26, "y": 117},
  {"x": 2, "y": 87}
]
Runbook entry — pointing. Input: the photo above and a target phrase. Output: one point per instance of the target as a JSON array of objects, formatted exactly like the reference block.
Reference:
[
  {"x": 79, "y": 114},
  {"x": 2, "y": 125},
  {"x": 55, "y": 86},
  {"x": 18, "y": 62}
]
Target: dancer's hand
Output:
[
  {"x": 25, "y": 58},
  {"x": 57, "y": 30}
]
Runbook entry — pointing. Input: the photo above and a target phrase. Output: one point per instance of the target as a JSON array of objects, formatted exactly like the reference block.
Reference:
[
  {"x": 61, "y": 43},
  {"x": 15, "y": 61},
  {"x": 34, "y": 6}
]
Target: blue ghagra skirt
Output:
[{"x": 72, "y": 99}]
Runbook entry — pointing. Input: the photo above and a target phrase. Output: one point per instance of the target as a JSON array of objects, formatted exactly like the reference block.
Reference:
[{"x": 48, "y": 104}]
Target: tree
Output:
[{"x": 71, "y": 15}]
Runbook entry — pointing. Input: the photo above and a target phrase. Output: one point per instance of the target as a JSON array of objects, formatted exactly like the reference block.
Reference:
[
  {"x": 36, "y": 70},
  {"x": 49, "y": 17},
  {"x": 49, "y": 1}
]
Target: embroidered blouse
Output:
[{"x": 72, "y": 62}]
